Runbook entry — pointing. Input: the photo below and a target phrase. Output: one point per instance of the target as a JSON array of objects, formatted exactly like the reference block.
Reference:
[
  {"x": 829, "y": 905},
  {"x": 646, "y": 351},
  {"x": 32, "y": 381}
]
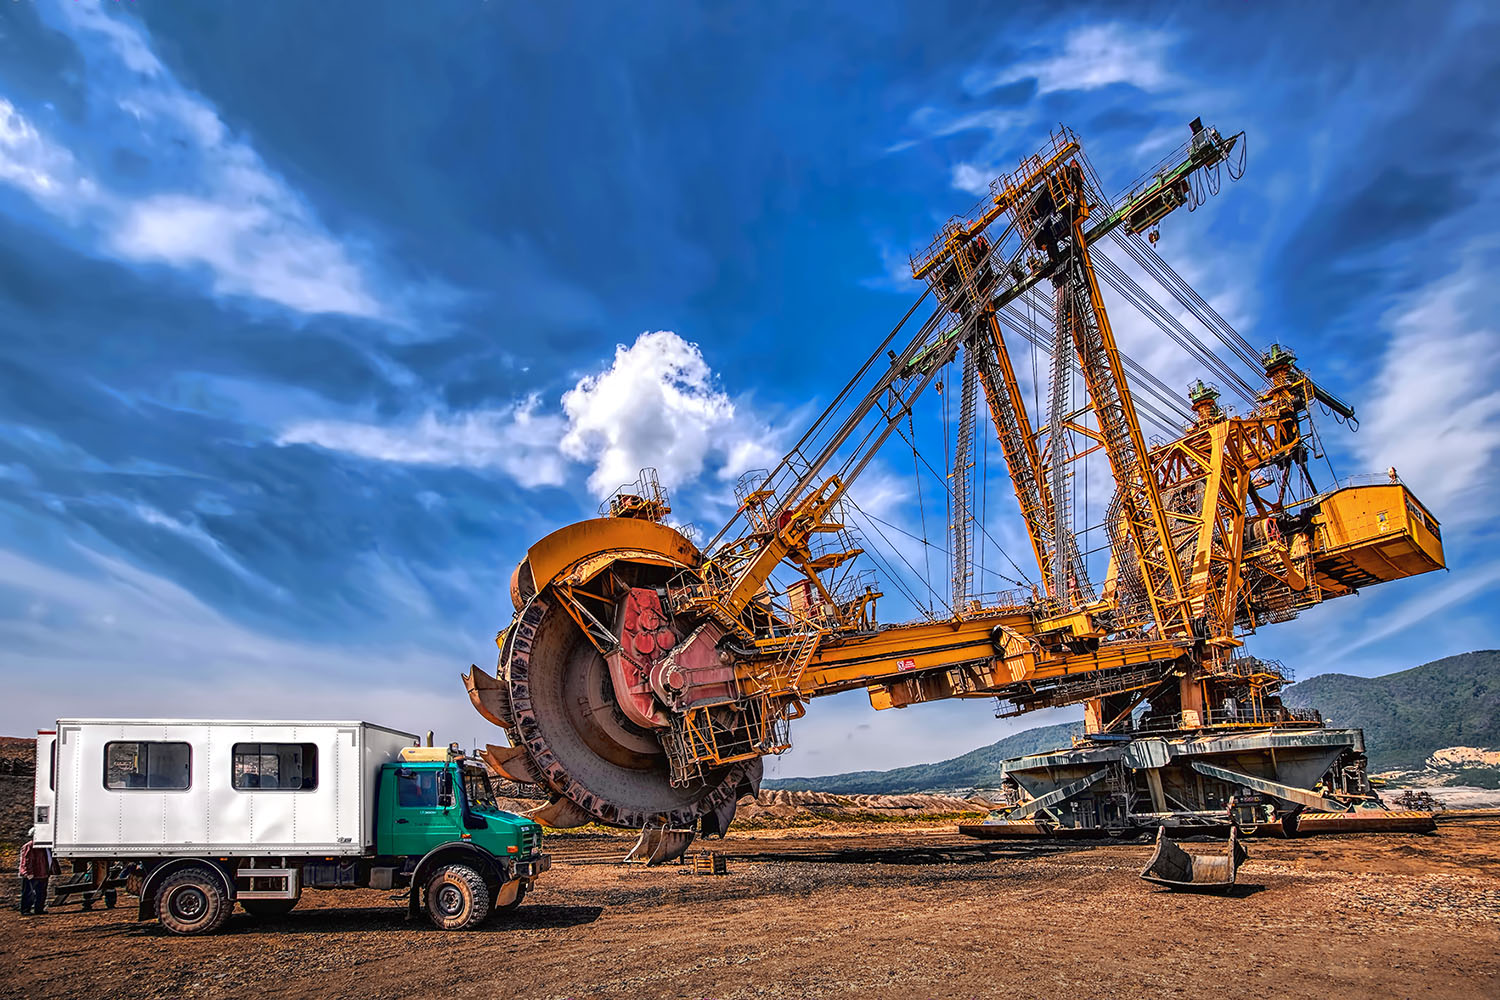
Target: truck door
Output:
[
  {"x": 425, "y": 814},
  {"x": 45, "y": 799}
]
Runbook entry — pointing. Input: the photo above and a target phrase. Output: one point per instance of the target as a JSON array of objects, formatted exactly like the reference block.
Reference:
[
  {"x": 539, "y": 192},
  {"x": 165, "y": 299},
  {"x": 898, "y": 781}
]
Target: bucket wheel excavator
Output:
[{"x": 644, "y": 678}]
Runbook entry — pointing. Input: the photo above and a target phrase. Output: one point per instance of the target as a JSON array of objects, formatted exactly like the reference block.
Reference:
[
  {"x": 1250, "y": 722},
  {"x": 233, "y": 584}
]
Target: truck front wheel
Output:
[
  {"x": 192, "y": 901},
  {"x": 457, "y": 898}
]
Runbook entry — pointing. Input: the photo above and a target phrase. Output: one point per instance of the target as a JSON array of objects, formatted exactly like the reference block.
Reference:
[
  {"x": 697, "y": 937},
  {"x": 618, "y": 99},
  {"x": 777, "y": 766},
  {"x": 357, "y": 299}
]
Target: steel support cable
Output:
[
  {"x": 900, "y": 530},
  {"x": 1164, "y": 273},
  {"x": 899, "y": 555},
  {"x": 998, "y": 547},
  {"x": 869, "y": 401},
  {"x": 1189, "y": 297},
  {"x": 1318, "y": 444},
  {"x": 864, "y": 452},
  {"x": 1153, "y": 389},
  {"x": 1155, "y": 265},
  {"x": 838, "y": 400},
  {"x": 1236, "y": 171},
  {"x": 1168, "y": 324},
  {"x": 928, "y": 544},
  {"x": 1145, "y": 379},
  {"x": 895, "y": 578},
  {"x": 1157, "y": 403},
  {"x": 863, "y": 371},
  {"x": 921, "y": 506},
  {"x": 1039, "y": 335},
  {"x": 872, "y": 520}
]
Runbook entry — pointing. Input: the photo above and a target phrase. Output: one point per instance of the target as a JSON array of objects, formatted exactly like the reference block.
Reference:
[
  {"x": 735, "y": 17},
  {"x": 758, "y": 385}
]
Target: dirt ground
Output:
[{"x": 898, "y": 913}]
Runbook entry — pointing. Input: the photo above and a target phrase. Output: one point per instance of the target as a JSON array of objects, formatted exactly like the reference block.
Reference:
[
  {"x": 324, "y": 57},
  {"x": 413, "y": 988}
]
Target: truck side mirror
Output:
[{"x": 445, "y": 788}]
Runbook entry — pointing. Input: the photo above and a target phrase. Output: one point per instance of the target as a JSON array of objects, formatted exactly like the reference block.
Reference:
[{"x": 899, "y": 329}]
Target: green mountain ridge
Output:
[
  {"x": 975, "y": 769},
  {"x": 1454, "y": 701},
  {"x": 1407, "y": 715}
]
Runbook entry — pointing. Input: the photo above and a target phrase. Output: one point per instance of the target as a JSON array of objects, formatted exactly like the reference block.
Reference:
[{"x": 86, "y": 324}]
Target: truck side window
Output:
[
  {"x": 153, "y": 765},
  {"x": 275, "y": 766},
  {"x": 417, "y": 789}
]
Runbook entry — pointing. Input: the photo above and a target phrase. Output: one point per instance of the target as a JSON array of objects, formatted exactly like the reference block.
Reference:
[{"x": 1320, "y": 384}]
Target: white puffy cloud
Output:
[
  {"x": 1091, "y": 57},
  {"x": 657, "y": 405},
  {"x": 1436, "y": 413},
  {"x": 216, "y": 205},
  {"x": 516, "y": 440}
]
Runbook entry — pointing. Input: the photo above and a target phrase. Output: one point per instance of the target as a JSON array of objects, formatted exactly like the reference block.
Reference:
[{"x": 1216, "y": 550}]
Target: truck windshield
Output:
[{"x": 477, "y": 791}]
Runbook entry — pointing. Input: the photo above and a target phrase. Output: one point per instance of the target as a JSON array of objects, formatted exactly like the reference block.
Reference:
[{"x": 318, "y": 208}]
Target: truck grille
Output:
[{"x": 531, "y": 840}]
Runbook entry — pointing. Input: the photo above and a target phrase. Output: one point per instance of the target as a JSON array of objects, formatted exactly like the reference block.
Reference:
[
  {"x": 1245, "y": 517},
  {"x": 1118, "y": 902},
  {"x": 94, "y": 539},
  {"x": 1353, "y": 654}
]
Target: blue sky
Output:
[{"x": 312, "y": 316}]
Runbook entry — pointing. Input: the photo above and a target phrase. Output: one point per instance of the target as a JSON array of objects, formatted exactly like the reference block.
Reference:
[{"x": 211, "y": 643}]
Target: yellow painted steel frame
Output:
[
  {"x": 1018, "y": 445},
  {"x": 1222, "y": 455},
  {"x": 560, "y": 551},
  {"x": 900, "y": 652},
  {"x": 1150, "y": 533}
]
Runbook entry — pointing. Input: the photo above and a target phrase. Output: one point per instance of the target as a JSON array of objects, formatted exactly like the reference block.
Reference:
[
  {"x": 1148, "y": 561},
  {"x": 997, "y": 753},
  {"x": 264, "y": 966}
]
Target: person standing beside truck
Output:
[{"x": 36, "y": 867}]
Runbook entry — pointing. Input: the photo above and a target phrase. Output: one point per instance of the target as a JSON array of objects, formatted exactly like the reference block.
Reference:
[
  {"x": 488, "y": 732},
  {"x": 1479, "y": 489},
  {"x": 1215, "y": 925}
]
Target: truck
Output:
[{"x": 201, "y": 815}]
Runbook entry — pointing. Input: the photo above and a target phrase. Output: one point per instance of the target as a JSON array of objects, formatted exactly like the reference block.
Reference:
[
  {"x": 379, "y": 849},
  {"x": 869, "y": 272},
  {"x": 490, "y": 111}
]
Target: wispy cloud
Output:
[
  {"x": 183, "y": 658},
  {"x": 1473, "y": 580},
  {"x": 517, "y": 440},
  {"x": 38, "y": 167},
  {"x": 211, "y": 202},
  {"x": 657, "y": 404},
  {"x": 1436, "y": 413},
  {"x": 935, "y": 122},
  {"x": 1091, "y": 57},
  {"x": 974, "y": 180},
  {"x": 1002, "y": 125},
  {"x": 895, "y": 271},
  {"x": 195, "y": 534}
]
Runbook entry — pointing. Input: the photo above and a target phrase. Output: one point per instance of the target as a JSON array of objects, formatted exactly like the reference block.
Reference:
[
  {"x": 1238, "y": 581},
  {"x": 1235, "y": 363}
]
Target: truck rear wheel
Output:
[
  {"x": 192, "y": 901},
  {"x": 457, "y": 898},
  {"x": 268, "y": 907}
]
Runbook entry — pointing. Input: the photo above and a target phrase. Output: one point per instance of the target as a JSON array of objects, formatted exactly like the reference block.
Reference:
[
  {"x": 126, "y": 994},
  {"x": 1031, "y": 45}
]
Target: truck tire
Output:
[
  {"x": 509, "y": 907},
  {"x": 457, "y": 898},
  {"x": 192, "y": 901},
  {"x": 268, "y": 907}
]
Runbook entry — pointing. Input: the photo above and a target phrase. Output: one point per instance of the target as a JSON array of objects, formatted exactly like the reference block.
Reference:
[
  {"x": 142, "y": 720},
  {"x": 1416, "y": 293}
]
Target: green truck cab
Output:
[{"x": 463, "y": 856}]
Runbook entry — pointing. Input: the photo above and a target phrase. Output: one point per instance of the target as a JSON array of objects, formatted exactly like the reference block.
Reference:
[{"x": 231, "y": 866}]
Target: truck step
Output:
[{"x": 289, "y": 877}]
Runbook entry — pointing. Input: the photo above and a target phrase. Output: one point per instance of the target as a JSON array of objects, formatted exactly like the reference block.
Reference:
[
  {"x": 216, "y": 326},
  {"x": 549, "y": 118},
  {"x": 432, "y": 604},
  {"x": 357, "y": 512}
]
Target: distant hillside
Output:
[
  {"x": 1406, "y": 716},
  {"x": 975, "y": 769},
  {"x": 17, "y": 787}
]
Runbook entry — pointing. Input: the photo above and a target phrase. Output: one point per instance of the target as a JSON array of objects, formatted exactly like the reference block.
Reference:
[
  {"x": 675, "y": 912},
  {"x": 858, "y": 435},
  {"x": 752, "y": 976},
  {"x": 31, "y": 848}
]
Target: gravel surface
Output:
[{"x": 898, "y": 913}]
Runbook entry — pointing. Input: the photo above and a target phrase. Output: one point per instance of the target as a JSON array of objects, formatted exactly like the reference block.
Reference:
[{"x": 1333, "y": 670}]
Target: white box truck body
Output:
[{"x": 178, "y": 787}]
